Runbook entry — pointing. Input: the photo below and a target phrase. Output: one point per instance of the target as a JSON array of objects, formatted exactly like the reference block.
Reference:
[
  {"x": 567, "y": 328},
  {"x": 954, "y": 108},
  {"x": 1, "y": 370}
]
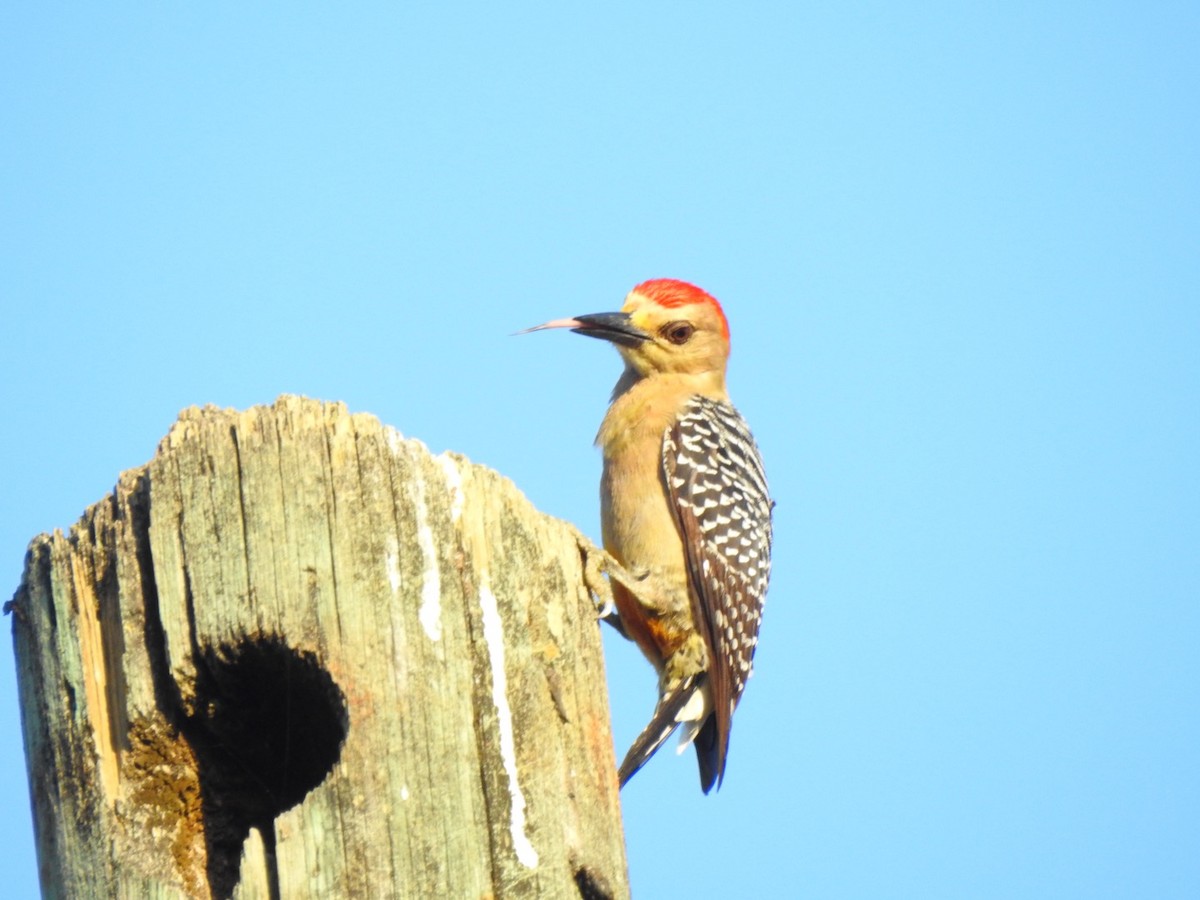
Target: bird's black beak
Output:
[{"x": 616, "y": 327}]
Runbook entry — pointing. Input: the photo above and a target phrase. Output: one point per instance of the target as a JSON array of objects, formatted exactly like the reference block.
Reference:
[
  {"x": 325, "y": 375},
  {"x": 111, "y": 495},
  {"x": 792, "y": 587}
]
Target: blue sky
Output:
[{"x": 958, "y": 248}]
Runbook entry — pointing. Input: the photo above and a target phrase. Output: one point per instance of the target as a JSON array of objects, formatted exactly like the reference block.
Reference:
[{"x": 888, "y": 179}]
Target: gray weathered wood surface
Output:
[{"x": 296, "y": 655}]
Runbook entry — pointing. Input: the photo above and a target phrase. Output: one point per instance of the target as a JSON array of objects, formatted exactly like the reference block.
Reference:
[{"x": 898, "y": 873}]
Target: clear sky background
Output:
[{"x": 959, "y": 248}]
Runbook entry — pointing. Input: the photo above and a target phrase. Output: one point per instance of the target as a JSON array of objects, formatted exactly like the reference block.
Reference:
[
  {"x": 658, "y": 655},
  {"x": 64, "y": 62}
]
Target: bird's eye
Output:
[{"x": 678, "y": 332}]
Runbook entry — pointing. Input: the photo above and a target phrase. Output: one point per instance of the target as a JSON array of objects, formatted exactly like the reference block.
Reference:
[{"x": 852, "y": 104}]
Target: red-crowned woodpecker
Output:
[{"x": 685, "y": 509}]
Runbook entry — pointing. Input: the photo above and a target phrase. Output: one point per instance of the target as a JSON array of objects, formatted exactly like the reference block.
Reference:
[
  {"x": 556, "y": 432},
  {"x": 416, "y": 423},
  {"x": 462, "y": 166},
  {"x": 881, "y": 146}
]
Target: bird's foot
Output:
[{"x": 597, "y": 563}]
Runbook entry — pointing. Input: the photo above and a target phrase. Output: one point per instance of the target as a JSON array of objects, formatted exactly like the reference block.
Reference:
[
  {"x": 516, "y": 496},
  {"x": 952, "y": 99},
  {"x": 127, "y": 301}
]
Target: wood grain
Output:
[{"x": 296, "y": 655}]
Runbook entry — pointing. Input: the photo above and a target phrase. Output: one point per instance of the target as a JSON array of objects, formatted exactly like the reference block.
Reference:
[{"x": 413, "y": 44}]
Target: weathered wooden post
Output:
[{"x": 296, "y": 655}]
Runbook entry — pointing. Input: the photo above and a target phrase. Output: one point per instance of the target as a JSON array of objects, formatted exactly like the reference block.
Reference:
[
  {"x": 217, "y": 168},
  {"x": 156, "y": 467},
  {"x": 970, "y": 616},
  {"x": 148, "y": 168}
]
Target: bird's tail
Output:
[{"x": 662, "y": 724}]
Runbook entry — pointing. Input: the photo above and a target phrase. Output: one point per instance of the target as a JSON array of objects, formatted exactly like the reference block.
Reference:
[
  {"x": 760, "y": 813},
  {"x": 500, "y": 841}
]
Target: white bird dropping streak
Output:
[
  {"x": 430, "y": 611},
  {"x": 493, "y": 635},
  {"x": 454, "y": 483},
  {"x": 392, "y": 561}
]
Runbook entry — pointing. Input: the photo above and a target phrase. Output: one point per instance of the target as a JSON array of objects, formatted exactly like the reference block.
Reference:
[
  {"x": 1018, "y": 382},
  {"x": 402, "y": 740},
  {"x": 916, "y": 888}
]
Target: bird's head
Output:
[{"x": 665, "y": 326}]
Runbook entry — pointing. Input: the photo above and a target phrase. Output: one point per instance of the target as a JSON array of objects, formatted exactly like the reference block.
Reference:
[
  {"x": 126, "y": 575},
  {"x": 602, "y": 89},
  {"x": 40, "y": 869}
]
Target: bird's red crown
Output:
[{"x": 671, "y": 293}]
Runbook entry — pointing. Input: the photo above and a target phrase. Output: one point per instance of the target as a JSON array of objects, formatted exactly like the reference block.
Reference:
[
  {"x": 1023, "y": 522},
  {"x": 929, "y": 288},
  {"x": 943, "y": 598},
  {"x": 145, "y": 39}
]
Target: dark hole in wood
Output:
[
  {"x": 590, "y": 885},
  {"x": 267, "y": 726}
]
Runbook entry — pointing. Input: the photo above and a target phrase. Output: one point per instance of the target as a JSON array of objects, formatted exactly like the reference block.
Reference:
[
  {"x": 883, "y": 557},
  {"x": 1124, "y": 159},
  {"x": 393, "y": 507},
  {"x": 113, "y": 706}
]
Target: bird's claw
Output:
[{"x": 596, "y": 564}]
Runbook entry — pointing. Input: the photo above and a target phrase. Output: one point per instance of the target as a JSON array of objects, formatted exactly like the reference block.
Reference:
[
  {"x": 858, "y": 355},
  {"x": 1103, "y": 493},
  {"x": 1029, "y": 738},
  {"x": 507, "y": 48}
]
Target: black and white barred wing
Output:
[{"x": 714, "y": 476}]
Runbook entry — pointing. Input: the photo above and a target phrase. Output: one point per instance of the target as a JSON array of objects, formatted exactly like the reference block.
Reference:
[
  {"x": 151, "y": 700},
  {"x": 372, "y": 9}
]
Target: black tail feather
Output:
[
  {"x": 662, "y": 725},
  {"x": 712, "y": 766}
]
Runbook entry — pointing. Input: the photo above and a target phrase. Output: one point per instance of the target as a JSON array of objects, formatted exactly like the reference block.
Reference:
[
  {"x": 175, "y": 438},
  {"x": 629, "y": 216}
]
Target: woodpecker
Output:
[{"x": 685, "y": 511}]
